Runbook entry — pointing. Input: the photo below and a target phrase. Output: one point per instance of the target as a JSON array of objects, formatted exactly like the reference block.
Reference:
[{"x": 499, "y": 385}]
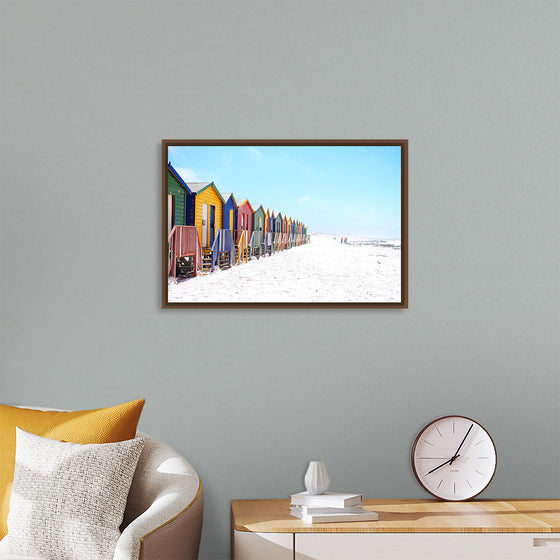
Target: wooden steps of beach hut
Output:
[
  {"x": 185, "y": 252},
  {"x": 267, "y": 243},
  {"x": 206, "y": 261},
  {"x": 185, "y": 267},
  {"x": 289, "y": 232},
  {"x": 225, "y": 260},
  {"x": 241, "y": 246},
  {"x": 256, "y": 245},
  {"x": 242, "y": 257},
  {"x": 223, "y": 246}
]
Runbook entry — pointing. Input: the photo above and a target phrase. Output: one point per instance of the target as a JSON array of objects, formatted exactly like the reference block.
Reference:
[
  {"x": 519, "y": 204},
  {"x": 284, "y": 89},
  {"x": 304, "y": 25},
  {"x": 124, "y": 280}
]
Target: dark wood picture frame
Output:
[{"x": 403, "y": 144}]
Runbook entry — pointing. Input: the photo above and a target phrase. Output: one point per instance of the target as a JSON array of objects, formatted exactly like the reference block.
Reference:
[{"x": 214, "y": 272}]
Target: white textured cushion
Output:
[
  {"x": 17, "y": 557},
  {"x": 68, "y": 499}
]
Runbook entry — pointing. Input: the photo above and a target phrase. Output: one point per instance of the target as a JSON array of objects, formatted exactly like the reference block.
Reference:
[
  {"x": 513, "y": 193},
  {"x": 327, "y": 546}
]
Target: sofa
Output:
[{"x": 163, "y": 515}]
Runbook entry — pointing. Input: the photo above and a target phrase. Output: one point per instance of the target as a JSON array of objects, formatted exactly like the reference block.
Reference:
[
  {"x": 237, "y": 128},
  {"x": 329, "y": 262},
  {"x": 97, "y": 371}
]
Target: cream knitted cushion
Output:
[{"x": 68, "y": 499}]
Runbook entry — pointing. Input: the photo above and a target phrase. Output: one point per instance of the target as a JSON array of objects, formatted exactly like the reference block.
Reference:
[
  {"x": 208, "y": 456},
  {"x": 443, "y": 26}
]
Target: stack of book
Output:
[{"x": 330, "y": 507}]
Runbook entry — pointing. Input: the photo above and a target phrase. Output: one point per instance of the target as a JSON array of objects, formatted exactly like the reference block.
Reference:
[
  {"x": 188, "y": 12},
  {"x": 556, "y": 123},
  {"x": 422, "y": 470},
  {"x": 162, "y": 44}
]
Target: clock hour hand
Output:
[
  {"x": 443, "y": 464},
  {"x": 461, "y": 445}
]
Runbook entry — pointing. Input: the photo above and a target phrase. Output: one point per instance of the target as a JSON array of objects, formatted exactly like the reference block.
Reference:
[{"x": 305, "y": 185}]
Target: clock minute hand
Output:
[
  {"x": 461, "y": 445},
  {"x": 443, "y": 464}
]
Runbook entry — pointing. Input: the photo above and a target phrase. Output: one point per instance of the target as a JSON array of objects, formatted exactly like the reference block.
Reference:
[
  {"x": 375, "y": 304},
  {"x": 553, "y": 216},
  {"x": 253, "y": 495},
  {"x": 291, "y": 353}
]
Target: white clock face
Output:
[{"x": 454, "y": 458}]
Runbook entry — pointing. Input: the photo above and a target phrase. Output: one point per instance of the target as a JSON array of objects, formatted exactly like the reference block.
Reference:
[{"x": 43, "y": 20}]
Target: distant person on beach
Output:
[
  {"x": 341, "y": 240},
  {"x": 345, "y": 240}
]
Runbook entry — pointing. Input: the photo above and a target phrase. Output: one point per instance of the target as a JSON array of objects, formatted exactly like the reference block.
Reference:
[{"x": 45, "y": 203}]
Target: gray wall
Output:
[{"x": 88, "y": 92}]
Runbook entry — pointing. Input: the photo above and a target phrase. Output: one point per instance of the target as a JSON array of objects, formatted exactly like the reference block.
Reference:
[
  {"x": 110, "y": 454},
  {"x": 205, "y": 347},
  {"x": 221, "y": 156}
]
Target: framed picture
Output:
[{"x": 285, "y": 223}]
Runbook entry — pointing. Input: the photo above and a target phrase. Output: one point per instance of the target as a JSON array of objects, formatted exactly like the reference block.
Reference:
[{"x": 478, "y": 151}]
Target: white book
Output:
[
  {"x": 312, "y": 510},
  {"x": 365, "y": 515},
  {"x": 328, "y": 499}
]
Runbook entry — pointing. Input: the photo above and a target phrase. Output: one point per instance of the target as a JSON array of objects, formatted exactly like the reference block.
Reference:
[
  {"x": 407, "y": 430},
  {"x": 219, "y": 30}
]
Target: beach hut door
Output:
[
  {"x": 170, "y": 213},
  {"x": 205, "y": 225},
  {"x": 231, "y": 220},
  {"x": 212, "y": 223}
]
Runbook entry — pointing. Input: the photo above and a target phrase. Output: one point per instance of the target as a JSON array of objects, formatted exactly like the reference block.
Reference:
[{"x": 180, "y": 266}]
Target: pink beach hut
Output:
[{"x": 245, "y": 217}]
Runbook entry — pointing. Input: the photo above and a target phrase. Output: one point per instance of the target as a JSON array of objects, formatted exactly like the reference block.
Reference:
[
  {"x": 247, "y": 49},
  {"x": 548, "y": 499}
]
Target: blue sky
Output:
[{"x": 342, "y": 190}]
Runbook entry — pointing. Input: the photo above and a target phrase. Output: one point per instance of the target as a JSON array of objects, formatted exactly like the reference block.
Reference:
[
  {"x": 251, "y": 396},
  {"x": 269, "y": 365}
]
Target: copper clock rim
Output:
[{"x": 422, "y": 430}]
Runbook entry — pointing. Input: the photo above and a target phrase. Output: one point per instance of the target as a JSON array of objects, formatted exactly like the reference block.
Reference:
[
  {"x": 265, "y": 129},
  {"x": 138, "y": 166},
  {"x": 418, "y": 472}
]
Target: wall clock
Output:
[{"x": 454, "y": 458}]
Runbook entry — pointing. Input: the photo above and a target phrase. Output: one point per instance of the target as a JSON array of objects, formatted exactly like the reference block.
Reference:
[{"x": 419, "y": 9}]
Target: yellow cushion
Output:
[{"x": 104, "y": 425}]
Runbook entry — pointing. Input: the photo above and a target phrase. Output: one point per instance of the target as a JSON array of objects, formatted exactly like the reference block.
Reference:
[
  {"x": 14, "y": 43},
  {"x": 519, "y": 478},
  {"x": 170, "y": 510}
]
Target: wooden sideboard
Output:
[{"x": 406, "y": 529}]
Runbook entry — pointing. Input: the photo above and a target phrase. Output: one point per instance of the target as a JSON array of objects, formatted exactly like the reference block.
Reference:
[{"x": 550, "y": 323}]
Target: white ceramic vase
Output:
[{"x": 316, "y": 478}]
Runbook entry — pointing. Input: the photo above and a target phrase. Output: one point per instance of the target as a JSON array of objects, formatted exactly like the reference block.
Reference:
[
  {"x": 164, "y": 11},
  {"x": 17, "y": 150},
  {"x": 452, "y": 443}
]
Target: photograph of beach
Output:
[{"x": 284, "y": 224}]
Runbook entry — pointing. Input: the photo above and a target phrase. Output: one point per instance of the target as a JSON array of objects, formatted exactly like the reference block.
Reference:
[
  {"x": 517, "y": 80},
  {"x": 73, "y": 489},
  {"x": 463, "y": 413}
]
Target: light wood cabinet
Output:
[
  {"x": 263, "y": 546},
  {"x": 423, "y": 546},
  {"x": 406, "y": 530}
]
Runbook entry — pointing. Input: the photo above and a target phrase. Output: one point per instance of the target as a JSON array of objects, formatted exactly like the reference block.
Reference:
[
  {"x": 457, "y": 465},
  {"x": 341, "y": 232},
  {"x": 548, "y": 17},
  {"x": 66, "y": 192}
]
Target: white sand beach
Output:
[{"x": 363, "y": 270}]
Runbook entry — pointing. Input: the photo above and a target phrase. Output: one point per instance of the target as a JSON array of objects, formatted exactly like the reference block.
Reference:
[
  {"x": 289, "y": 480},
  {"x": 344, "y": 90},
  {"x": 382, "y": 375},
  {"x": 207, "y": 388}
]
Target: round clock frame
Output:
[{"x": 418, "y": 475}]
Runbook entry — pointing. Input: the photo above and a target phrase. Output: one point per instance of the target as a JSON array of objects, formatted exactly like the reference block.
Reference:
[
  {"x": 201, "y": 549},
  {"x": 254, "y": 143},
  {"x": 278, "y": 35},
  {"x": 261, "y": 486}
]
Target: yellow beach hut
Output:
[
  {"x": 204, "y": 210},
  {"x": 290, "y": 237}
]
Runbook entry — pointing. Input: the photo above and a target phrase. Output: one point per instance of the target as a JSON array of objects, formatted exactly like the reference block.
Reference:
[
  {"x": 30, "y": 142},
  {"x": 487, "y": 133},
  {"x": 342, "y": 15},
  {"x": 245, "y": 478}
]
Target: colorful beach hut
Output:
[
  {"x": 266, "y": 237},
  {"x": 259, "y": 220},
  {"x": 177, "y": 193},
  {"x": 230, "y": 211},
  {"x": 184, "y": 248},
  {"x": 278, "y": 230},
  {"x": 289, "y": 230},
  {"x": 245, "y": 224},
  {"x": 268, "y": 232},
  {"x": 257, "y": 237},
  {"x": 204, "y": 210},
  {"x": 245, "y": 216}
]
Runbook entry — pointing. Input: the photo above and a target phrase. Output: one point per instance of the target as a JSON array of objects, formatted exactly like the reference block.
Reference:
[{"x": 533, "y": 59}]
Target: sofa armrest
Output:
[
  {"x": 161, "y": 533},
  {"x": 163, "y": 516}
]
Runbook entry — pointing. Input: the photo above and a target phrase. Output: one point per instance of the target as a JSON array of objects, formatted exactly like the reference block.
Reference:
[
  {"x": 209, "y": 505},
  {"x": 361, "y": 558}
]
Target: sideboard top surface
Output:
[{"x": 409, "y": 516}]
